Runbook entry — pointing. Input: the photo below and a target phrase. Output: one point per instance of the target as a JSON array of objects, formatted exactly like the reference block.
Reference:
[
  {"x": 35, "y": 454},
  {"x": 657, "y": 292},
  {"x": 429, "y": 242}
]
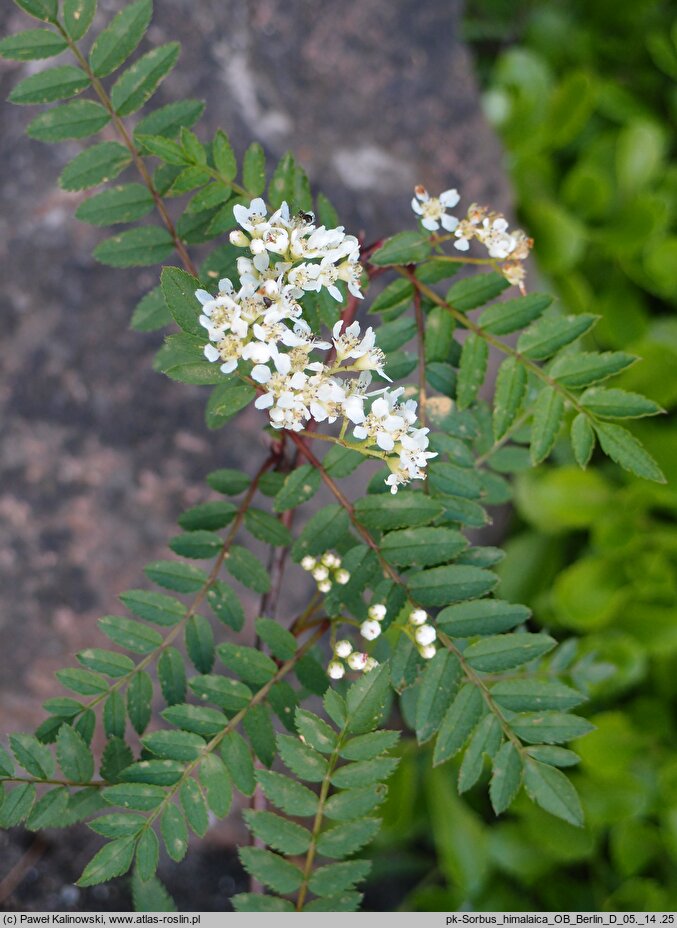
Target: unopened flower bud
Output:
[
  {"x": 324, "y": 586},
  {"x": 336, "y": 670},
  {"x": 342, "y": 576},
  {"x": 238, "y": 238},
  {"x": 308, "y": 563},
  {"x": 357, "y": 660},
  {"x": 428, "y": 651},
  {"x": 343, "y": 648},
  {"x": 377, "y": 612},
  {"x": 371, "y": 663},
  {"x": 418, "y": 617},
  {"x": 320, "y": 573},
  {"x": 425, "y": 635},
  {"x": 370, "y": 629},
  {"x": 330, "y": 560}
]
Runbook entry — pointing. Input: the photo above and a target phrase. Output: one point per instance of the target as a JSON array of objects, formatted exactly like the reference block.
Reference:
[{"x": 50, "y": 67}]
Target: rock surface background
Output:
[{"x": 99, "y": 454}]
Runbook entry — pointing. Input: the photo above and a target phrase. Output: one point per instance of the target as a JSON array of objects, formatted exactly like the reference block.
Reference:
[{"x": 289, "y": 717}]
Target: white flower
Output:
[
  {"x": 428, "y": 651},
  {"x": 358, "y": 660},
  {"x": 342, "y": 576},
  {"x": 433, "y": 210},
  {"x": 370, "y": 629},
  {"x": 336, "y": 670},
  {"x": 343, "y": 648},
  {"x": 252, "y": 218},
  {"x": 425, "y": 634},
  {"x": 308, "y": 562},
  {"x": 377, "y": 612},
  {"x": 368, "y": 357},
  {"x": 320, "y": 573},
  {"x": 417, "y": 617}
]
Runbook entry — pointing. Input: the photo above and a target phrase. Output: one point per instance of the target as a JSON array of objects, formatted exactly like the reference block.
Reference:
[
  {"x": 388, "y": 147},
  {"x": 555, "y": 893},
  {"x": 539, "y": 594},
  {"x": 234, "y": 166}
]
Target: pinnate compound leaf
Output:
[
  {"x": 552, "y": 791},
  {"x": 119, "y": 39},
  {"x": 506, "y": 777}
]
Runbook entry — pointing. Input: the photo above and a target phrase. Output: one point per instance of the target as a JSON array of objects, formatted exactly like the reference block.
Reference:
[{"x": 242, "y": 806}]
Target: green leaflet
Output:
[
  {"x": 438, "y": 586},
  {"x": 78, "y": 16},
  {"x": 547, "y": 419},
  {"x": 551, "y": 333},
  {"x": 302, "y": 483},
  {"x": 552, "y": 791},
  {"x": 73, "y": 755},
  {"x": 511, "y": 386},
  {"x": 481, "y": 617},
  {"x": 130, "y": 635},
  {"x": 407, "y": 509},
  {"x": 178, "y": 289},
  {"x": 501, "y": 652},
  {"x": 168, "y": 120},
  {"x": 50, "y": 85},
  {"x": 74, "y": 120},
  {"x": 119, "y": 39},
  {"x": 422, "y": 547},
  {"x": 459, "y": 720},
  {"x": 32, "y": 44},
  {"x": 472, "y": 369},
  {"x": 140, "y": 81},
  {"x": 124, "y": 203},
  {"x": 174, "y": 832},
  {"x": 254, "y": 170},
  {"x": 582, "y": 439},
  {"x": 135, "y": 248},
  {"x": 511, "y": 315},
  {"x": 474, "y": 291},
  {"x": 322, "y": 532},
  {"x": 506, "y": 777},
  {"x": 271, "y": 869},
  {"x": 147, "y": 855},
  {"x": 623, "y": 448},
  {"x": 437, "y": 687},
  {"x": 403, "y": 248},
  {"x": 114, "y": 859},
  {"x": 45, "y": 10},
  {"x": 277, "y": 832}
]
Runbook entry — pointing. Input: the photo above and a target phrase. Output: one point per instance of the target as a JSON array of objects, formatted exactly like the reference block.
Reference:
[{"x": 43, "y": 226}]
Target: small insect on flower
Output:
[
  {"x": 336, "y": 670},
  {"x": 425, "y": 635},
  {"x": 370, "y": 629},
  {"x": 433, "y": 210},
  {"x": 343, "y": 648}
]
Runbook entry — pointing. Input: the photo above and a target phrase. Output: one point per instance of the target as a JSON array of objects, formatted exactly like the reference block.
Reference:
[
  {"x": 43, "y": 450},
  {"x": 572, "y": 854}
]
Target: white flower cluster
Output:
[
  {"x": 326, "y": 571},
  {"x": 344, "y": 654},
  {"x": 488, "y": 227},
  {"x": 262, "y": 323},
  {"x": 424, "y": 634}
]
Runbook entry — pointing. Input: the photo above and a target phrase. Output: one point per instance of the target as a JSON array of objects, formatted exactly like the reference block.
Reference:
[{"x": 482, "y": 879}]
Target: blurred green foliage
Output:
[{"x": 584, "y": 96}]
